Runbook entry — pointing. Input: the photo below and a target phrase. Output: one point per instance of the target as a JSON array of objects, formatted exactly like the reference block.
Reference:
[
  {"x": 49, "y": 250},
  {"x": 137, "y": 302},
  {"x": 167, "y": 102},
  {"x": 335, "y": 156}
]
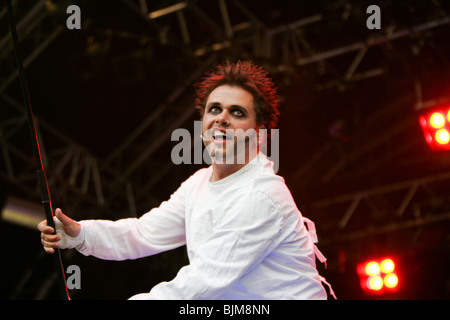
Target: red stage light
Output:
[
  {"x": 442, "y": 136},
  {"x": 372, "y": 268},
  {"x": 437, "y": 120},
  {"x": 435, "y": 124},
  {"x": 387, "y": 266},
  {"x": 375, "y": 283},
  {"x": 378, "y": 276},
  {"x": 391, "y": 280}
]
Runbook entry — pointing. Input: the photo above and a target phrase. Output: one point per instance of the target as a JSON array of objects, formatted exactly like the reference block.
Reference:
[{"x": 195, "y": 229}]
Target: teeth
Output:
[{"x": 219, "y": 134}]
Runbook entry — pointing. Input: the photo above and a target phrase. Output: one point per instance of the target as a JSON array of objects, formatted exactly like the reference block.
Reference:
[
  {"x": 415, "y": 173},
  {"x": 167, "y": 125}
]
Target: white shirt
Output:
[{"x": 244, "y": 235}]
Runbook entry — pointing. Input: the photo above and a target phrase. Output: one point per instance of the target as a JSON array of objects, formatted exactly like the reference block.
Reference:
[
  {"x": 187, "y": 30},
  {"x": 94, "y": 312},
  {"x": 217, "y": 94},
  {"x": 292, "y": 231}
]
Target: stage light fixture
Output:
[
  {"x": 387, "y": 266},
  {"x": 375, "y": 283},
  {"x": 442, "y": 137},
  {"x": 391, "y": 280},
  {"x": 378, "y": 276},
  {"x": 372, "y": 268},
  {"x": 437, "y": 120},
  {"x": 435, "y": 123}
]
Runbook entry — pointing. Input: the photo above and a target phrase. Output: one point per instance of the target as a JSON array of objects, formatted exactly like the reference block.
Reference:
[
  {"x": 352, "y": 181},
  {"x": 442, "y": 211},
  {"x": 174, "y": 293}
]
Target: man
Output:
[{"x": 244, "y": 235}]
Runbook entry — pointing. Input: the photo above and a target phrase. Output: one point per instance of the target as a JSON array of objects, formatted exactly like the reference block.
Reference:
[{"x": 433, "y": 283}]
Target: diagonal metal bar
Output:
[
  {"x": 349, "y": 212},
  {"x": 405, "y": 202},
  {"x": 386, "y": 228},
  {"x": 372, "y": 42},
  {"x": 26, "y": 24},
  {"x": 382, "y": 189},
  {"x": 164, "y": 136},
  {"x": 32, "y": 56},
  {"x": 226, "y": 18}
]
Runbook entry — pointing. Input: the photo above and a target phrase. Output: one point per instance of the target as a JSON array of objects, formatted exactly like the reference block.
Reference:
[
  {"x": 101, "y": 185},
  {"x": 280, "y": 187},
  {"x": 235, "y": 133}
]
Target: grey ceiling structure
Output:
[{"x": 107, "y": 98}]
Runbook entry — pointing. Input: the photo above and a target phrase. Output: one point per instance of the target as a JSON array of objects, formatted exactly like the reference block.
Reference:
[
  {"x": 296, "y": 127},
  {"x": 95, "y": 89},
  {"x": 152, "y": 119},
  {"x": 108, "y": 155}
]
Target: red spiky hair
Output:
[{"x": 248, "y": 76}]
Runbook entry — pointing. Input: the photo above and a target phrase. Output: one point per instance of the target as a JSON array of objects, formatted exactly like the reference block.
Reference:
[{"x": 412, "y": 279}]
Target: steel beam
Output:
[{"x": 372, "y": 42}]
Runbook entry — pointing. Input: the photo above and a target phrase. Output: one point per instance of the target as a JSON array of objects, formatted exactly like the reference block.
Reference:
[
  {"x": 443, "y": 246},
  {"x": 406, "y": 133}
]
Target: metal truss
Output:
[
  {"x": 286, "y": 44},
  {"x": 34, "y": 38},
  {"x": 389, "y": 208},
  {"x": 73, "y": 173},
  {"x": 409, "y": 203},
  {"x": 77, "y": 178}
]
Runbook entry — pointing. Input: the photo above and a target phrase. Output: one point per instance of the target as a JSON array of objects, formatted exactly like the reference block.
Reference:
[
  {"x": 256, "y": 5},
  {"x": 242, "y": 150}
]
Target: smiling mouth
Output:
[{"x": 220, "y": 136}]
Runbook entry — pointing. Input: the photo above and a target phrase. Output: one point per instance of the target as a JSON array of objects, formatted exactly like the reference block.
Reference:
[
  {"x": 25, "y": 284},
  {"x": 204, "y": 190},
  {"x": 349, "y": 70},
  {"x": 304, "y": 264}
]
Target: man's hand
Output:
[{"x": 50, "y": 240}]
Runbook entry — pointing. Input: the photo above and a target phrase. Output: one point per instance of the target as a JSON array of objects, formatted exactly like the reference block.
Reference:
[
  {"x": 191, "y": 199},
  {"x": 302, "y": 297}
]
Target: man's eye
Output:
[
  {"x": 214, "y": 109},
  {"x": 238, "y": 113}
]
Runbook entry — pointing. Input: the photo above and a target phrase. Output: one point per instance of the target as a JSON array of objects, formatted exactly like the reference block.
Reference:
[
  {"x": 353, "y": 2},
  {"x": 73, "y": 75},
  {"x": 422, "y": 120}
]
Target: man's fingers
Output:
[
  {"x": 50, "y": 237},
  {"x": 47, "y": 249},
  {"x": 50, "y": 244},
  {"x": 43, "y": 227}
]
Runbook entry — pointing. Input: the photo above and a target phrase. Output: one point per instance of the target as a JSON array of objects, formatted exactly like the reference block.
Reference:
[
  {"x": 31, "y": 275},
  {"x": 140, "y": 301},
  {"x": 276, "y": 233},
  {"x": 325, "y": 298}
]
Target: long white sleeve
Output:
[{"x": 158, "y": 230}]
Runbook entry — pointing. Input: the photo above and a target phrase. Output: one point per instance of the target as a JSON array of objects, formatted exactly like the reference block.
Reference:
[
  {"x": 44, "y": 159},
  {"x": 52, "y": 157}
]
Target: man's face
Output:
[{"x": 229, "y": 123}]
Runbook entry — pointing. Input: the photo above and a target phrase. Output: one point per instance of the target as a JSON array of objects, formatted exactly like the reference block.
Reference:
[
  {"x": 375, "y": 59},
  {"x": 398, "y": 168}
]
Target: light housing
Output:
[
  {"x": 378, "y": 276},
  {"x": 435, "y": 123}
]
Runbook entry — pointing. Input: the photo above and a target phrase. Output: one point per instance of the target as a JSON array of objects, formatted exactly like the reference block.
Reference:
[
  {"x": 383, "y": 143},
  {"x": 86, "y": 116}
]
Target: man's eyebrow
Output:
[
  {"x": 233, "y": 106},
  {"x": 237, "y": 106}
]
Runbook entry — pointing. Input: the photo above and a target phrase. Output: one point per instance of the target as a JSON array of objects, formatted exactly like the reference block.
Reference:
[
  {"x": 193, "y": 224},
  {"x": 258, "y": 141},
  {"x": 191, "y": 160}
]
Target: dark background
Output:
[{"x": 351, "y": 147}]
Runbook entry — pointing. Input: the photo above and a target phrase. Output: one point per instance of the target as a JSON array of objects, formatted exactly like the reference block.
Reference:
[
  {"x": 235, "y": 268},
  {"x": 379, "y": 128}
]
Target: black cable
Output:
[{"x": 42, "y": 179}]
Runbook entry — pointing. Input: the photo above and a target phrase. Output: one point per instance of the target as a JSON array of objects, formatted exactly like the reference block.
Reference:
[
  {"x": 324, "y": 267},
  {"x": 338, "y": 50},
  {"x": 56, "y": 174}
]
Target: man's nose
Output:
[{"x": 222, "y": 119}]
